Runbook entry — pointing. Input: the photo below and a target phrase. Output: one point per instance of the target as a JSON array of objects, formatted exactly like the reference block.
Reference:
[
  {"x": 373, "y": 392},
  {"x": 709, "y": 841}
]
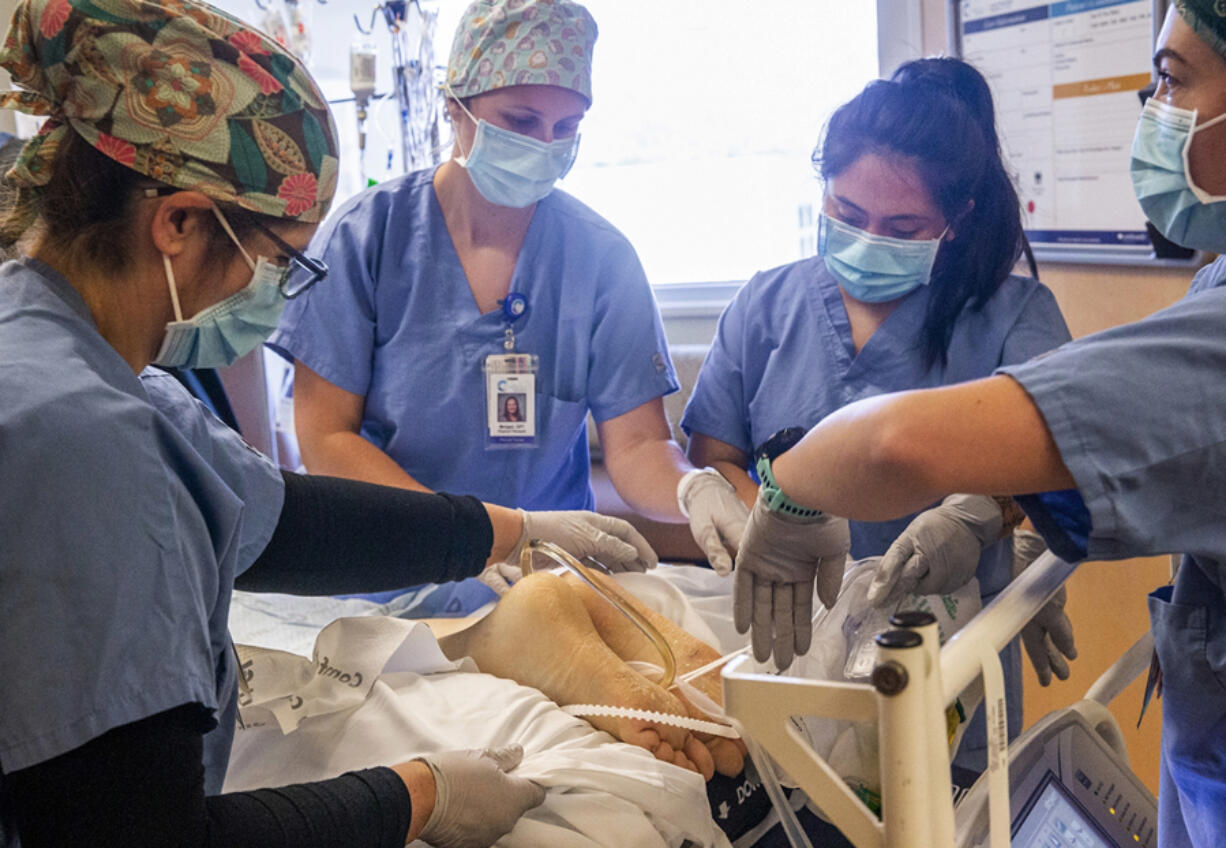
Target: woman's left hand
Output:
[{"x": 717, "y": 516}]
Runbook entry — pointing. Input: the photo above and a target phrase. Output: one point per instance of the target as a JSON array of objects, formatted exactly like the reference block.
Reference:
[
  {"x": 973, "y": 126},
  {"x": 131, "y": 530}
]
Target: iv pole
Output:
[{"x": 412, "y": 31}]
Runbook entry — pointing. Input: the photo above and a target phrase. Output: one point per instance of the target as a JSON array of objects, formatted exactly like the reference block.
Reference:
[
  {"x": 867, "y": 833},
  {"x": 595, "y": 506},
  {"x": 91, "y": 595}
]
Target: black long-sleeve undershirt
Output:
[
  {"x": 338, "y": 536},
  {"x": 143, "y": 784}
]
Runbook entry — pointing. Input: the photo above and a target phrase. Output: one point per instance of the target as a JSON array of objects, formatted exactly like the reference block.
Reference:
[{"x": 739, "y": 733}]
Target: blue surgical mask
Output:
[
  {"x": 1180, "y": 210},
  {"x": 218, "y": 335},
  {"x": 510, "y": 169},
  {"x": 872, "y": 268}
]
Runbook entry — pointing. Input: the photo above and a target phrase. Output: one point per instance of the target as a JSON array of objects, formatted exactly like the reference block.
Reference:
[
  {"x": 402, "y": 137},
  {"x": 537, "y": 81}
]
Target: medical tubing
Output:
[
  {"x": 694, "y": 696},
  {"x": 695, "y": 724},
  {"x": 714, "y": 664},
  {"x": 562, "y": 558},
  {"x": 774, "y": 790}
]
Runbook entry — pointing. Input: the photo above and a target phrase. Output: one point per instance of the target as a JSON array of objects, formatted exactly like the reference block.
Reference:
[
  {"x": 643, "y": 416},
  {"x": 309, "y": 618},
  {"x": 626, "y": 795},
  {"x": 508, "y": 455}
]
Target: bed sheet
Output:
[{"x": 377, "y": 690}]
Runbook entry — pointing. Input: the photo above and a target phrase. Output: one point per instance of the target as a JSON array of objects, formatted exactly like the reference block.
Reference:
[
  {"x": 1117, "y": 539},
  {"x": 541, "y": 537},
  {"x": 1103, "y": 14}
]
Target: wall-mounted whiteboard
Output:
[{"x": 1065, "y": 78}]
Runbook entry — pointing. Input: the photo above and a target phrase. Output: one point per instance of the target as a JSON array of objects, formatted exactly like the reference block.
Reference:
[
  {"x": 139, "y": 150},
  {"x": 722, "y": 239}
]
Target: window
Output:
[
  {"x": 697, "y": 145},
  {"x": 706, "y": 112}
]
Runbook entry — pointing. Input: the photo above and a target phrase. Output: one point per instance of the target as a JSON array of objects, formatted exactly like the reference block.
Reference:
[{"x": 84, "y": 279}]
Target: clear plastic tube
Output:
[
  {"x": 774, "y": 790},
  {"x": 562, "y": 558}
]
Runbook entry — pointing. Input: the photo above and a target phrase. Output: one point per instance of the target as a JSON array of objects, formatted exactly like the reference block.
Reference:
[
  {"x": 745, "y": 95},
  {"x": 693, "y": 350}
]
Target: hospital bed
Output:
[
  {"x": 1065, "y": 782},
  {"x": 377, "y": 690},
  {"x": 1069, "y": 765}
]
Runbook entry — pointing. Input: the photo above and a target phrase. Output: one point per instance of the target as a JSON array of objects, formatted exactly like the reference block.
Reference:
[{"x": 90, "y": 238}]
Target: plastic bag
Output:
[{"x": 844, "y": 649}]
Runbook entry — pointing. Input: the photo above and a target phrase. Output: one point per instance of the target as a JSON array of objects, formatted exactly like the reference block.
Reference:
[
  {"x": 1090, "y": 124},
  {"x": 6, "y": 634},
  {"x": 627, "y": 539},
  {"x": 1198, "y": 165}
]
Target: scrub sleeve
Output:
[
  {"x": 1155, "y": 485},
  {"x": 121, "y": 539}
]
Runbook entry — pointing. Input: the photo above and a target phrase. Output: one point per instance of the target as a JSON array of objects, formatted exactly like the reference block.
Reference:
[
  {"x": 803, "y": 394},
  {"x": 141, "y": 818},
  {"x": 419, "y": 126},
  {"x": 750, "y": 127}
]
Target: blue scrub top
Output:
[
  {"x": 783, "y": 357},
  {"x": 126, "y": 510},
  {"x": 1138, "y": 414},
  {"x": 396, "y": 322}
]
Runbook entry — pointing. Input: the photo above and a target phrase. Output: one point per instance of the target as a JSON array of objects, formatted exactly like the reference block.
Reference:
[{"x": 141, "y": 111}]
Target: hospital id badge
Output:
[{"x": 510, "y": 400}]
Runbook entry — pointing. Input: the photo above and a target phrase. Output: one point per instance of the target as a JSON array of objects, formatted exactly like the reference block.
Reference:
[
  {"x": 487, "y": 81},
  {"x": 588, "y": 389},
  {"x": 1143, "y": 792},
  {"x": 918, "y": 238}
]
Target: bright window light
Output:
[
  {"x": 706, "y": 112},
  {"x": 697, "y": 145}
]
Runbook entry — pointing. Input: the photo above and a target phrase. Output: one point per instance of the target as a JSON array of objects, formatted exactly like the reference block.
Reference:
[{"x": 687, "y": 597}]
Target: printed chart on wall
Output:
[{"x": 1065, "y": 78}]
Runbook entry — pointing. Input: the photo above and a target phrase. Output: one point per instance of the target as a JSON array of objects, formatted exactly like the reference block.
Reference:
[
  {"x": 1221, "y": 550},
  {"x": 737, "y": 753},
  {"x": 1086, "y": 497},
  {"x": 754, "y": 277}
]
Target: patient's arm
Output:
[{"x": 546, "y": 634}]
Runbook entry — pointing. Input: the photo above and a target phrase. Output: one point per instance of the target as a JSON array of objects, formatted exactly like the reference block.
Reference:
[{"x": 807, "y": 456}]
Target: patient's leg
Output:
[
  {"x": 541, "y": 635},
  {"x": 629, "y": 643}
]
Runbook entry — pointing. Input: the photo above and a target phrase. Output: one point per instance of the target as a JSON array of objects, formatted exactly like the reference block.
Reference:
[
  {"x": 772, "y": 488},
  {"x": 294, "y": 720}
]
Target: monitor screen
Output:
[{"x": 1053, "y": 819}]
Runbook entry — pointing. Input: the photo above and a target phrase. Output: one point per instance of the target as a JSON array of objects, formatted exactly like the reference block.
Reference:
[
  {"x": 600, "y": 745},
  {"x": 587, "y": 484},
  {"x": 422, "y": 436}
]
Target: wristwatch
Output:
[{"x": 770, "y": 493}]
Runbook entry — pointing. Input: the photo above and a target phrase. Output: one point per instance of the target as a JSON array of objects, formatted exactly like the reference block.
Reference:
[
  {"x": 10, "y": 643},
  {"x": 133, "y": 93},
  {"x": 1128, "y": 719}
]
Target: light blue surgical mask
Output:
[
  {"x": 220, "y": 334},
  {"x": 1180, "y": 210},
  {"x": 511, "y": 169},
  {"x": 872, "y": 268}
]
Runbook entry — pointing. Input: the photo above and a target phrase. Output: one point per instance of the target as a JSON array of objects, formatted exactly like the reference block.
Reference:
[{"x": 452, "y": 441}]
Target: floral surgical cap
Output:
[
  {"x": 175, "y": 90},
  {"x": 1207, "y": 19},
  {"x": 522, "y": 42}
]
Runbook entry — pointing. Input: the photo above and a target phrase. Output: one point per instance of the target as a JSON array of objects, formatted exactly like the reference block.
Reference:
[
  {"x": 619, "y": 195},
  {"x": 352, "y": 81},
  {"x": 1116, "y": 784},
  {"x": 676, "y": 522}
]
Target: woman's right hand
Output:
[
  {"x": 613, "y": 542},
  {"x": 467, "y": 799}
]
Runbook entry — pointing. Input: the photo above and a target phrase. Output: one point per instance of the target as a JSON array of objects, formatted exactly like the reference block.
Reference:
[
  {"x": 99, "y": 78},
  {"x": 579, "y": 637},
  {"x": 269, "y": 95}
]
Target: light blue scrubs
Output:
[
  {"x": 396, "y": 322},
  {"x": 1139, "y": 416},
  {"x": 783, "y": 357},
  {"x": 125, "y": 513}
]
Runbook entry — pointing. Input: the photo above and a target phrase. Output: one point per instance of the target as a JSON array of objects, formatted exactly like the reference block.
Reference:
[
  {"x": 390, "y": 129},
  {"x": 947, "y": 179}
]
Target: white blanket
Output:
[{"x": 378, "y": 691}]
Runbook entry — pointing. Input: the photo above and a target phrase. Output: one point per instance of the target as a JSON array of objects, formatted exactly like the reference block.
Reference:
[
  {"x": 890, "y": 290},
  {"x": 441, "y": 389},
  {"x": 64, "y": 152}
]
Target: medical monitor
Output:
[
  {"x": 1053, "y": 819},
  {"x": 1068, "y": 788}
]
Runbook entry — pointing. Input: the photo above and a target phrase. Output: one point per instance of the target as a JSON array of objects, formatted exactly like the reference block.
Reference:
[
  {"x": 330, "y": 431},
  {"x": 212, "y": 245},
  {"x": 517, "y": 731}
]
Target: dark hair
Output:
[
  {"x": 938, "y": 114},
  {"x": 87, "y": 207}
]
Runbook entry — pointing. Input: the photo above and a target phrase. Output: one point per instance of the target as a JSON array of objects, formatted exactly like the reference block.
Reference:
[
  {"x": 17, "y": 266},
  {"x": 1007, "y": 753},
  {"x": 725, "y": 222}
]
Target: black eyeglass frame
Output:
[{"x": 316, "y": 269}]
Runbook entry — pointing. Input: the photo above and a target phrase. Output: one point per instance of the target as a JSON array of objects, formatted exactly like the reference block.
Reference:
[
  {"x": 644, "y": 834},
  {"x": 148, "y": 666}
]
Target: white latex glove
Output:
[
  {"x": 501, "y": 576},
  {"x": 779, "y": 560},
  {"x": 475, "y": 800},
  {"x": 1048, "y": 638},
  {"x": 717, "y": 516},
  {"x": 610, "y": 540},
  {"x": 939, "y": 551}
]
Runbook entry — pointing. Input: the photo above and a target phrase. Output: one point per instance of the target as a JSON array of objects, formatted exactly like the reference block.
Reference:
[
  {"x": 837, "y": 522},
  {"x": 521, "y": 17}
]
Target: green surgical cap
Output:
[
  {"x": 1207, "y": 19},
  {"x": 175, "y": 90}
]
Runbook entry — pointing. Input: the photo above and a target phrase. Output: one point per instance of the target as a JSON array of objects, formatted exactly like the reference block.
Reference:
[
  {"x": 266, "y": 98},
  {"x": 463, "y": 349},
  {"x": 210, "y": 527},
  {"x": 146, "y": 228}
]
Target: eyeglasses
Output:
[{"x": 302, "y": 272}]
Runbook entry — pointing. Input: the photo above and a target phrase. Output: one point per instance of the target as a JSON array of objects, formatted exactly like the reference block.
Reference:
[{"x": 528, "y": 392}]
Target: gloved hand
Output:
[
  {"x": 717, "y": 516},
  {"x": 500, "y": 576},
  {"x": 939, "y": 551},
  {"x": 1048, "y": 638},
  {"x": 779, "y": 559},
  {"x": 610, "y": 540},
  {"x": 475, "y": 800}
]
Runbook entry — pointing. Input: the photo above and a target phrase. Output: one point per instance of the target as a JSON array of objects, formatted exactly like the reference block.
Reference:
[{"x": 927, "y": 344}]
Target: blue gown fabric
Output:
[
  {"x": 1138, "y": 414},
  {"x": 783, "y": 357},
  {"x": 126, "y": 510},
  {"x": 396, "y": 322}
]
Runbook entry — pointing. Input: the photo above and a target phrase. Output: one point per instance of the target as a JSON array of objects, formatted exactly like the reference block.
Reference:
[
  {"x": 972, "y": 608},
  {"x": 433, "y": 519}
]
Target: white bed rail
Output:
[{"x": 912, "y": 684}]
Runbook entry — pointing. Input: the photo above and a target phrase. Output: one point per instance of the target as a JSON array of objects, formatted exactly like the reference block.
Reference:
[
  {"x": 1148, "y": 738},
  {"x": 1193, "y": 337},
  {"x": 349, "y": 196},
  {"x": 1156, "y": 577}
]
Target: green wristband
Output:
[{"x": 776, "y": 500}]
